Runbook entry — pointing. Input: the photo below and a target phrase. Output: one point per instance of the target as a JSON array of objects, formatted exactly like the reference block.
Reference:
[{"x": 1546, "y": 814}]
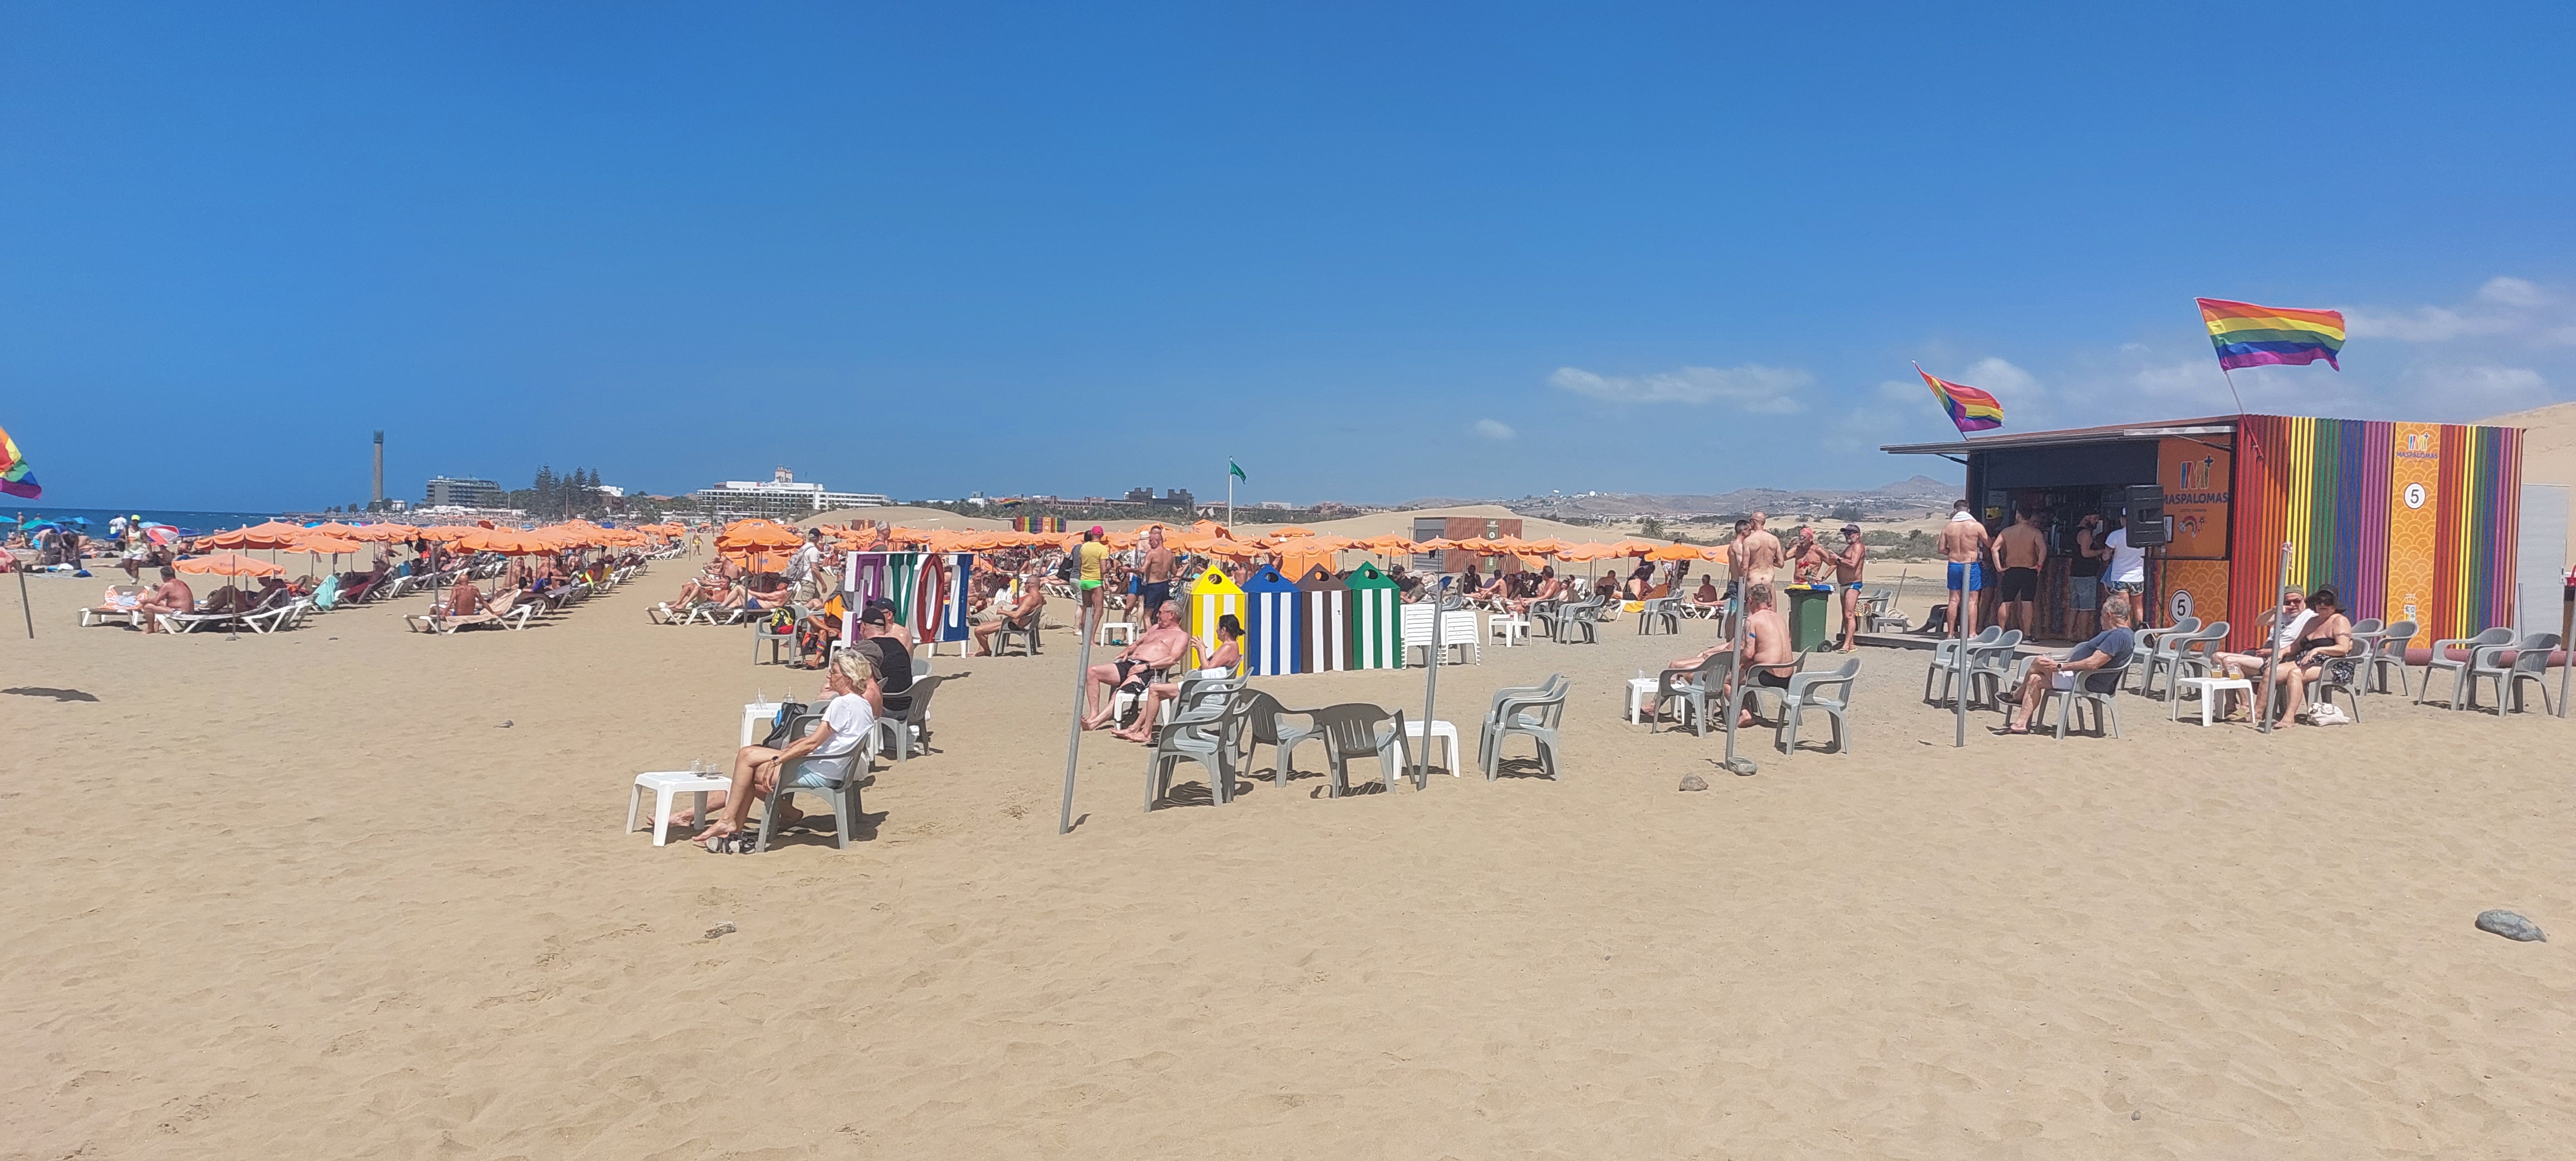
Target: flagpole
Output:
[{"x": 1229, "y": 494}]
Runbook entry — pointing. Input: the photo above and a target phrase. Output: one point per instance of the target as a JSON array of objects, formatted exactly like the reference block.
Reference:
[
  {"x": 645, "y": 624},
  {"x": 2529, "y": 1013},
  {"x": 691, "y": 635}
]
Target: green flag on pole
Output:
[{"x": 1236, "y": 470}]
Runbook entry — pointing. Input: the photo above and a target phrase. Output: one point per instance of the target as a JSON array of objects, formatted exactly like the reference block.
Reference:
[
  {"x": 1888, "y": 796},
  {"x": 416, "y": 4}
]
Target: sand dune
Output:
[{"x": 308, "y": 896}]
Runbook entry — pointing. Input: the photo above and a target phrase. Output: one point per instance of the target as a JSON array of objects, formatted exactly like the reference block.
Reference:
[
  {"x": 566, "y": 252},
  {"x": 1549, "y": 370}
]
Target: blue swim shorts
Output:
[{"x": 1969, "y": 576}]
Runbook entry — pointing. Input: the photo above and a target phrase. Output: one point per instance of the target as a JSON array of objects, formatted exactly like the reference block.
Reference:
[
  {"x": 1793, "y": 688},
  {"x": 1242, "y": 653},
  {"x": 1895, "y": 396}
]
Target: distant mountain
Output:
[{"x": 1904, "y": 499}]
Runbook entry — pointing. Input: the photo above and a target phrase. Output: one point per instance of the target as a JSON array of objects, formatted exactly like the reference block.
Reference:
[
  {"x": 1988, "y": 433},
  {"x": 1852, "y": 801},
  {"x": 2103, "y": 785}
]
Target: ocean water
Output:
[{"x": 188, "y": 523}]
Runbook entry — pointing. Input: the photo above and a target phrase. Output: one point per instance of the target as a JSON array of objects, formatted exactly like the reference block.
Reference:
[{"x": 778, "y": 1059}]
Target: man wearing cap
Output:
[{"x": 1847, "y": 578}]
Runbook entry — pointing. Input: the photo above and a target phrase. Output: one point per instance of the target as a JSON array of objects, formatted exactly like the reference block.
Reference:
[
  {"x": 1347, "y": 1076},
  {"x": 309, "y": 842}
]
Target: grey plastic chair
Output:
[
  {"x": 1356, "y": 730},
  {"x": 1945, "y": 653},
  {"x": 1991, "y": 663},
  {"x": 762, "y": 635},
  {"x": 1532, "y": 713},
  {"x": 2530, "y": 662},
  {"x": 2177, "y": 657},
  {"x": 1694, "y": 686},
  {"x": 1582, "y": 620},
  {"x": 1027, "y": 637},
  {"x": 2157, "y": 648},
  {"x": 1198, "y": 734},
  {"x": 2442, "y": 662},
  {"x": 1544, "y": 616},
  {"x": 1664, "y": 611},
  {"x": 2387, "y": 648},
  {"x": 1810, "y": 691},
  {"x": 843, "y": 797},
  {"x": 1270, "y": 725},
  {"x": 2106, "y": 711},
  {"x": 902, "y": 732}
]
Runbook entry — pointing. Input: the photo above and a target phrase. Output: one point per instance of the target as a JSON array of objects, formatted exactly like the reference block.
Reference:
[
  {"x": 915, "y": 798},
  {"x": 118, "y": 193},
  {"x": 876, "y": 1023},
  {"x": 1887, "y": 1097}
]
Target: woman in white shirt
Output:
[{"x": 829, "y": 751}]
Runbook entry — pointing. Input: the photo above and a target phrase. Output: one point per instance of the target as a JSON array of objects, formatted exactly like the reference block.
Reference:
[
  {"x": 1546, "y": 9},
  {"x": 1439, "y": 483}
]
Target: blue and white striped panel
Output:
[{"x": 1274, "y": 633}]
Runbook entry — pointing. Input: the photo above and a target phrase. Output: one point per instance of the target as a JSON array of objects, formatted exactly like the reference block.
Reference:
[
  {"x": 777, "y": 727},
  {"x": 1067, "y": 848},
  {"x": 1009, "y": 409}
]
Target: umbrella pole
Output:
[{"x": 30, "y": 611}]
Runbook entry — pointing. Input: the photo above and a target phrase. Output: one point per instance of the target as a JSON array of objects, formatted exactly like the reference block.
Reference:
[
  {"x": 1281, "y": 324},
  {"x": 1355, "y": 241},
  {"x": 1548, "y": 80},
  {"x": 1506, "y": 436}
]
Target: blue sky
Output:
[{"x": 1373, "y": 252}]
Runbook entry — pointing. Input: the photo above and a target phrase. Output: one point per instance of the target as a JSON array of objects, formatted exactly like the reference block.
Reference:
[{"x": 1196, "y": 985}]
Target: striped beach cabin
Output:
[{"x": 1275, "y": 636}]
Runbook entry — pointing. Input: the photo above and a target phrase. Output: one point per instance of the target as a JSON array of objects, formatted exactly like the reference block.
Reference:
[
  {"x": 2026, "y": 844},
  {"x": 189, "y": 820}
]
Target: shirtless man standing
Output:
[
  {"x": 1963, "y": 544},
  {"x": 172, "y": 595},
  {"x": 2021, "y": 550},
  {"x": 1847, "y": 578},
  {"x": 1762, "y": 554},
  {"x": 1160, "y": 648},
  {"x": 1158, "y": 573}
]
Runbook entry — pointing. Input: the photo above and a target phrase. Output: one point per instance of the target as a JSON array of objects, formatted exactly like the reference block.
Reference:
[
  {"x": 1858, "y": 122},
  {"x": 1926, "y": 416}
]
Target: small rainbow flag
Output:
[
  {"x": 1969, "y": 408},
  {"x": 14, "y": 477},
  {"x": 2247, "y": 335}
]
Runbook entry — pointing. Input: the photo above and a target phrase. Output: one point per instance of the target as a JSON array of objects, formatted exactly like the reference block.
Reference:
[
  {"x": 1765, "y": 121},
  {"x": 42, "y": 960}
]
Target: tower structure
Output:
[{"x": 376, "y": 495}]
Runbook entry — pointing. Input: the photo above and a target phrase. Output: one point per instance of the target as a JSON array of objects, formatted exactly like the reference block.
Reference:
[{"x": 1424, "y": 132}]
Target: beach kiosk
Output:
[
  {"x": 1377, "y": 620},
  {"x": 2407, "y": 521},
  {"x": 1328, "y": 621},
  {"x": 1276, "y": 635},
  {"x": 1213, "y": 595}
]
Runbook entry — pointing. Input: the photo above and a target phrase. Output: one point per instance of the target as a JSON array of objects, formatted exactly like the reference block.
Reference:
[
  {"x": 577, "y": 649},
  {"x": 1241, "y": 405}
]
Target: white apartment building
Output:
[{"x": 780, "y": 497}]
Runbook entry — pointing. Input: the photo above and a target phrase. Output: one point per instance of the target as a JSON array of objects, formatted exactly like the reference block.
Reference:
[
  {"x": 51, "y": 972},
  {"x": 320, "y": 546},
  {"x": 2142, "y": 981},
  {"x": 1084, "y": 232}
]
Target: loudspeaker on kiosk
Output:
[{"x": 2146, "y": 507}]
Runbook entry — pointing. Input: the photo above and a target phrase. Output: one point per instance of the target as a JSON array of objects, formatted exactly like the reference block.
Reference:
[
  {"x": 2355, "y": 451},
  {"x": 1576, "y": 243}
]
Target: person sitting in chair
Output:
[
  {"x": 2108, "y": 649},
  {"x": 1220, "y": 662},
  {"x": 1022, "y": 614},
  {"x": 170, "y": 596},
  {"x": 1767, "y": 655},
  {"x": 1158, "y": 649},
  {"x": 831, "y": 751}
]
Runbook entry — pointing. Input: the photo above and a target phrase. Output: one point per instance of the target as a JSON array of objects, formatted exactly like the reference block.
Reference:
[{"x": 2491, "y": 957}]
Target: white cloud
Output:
[
  {"x": 1751, "y": 387},
  {"x": 1495, "y": 429},
  {"x": 2510, "y": 308},
  {"x": 2000, "y": 378},
  {"x": 2474, "y": 391}
]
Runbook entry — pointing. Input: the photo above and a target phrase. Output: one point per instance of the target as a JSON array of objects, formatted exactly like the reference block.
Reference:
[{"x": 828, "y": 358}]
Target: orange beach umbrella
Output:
[{"x": 229, "y": 564}]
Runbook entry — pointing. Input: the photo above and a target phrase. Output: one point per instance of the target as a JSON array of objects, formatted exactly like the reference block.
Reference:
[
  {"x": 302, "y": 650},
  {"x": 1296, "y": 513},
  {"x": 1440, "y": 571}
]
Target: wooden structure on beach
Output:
[{"x": 2407, "y": 521}]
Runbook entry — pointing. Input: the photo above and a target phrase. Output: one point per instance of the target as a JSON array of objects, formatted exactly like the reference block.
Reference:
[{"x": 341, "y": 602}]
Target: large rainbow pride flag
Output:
[
  {"x": 14, "y": 477},
  {"x": 1970, "y": 409},
  {"x": 2247, "y": 335}
]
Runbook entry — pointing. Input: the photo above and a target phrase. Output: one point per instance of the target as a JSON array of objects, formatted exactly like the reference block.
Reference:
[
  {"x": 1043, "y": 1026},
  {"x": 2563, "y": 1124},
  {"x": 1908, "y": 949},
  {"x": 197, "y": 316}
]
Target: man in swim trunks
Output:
[
  {"x": 2021, "y": 550},
  {"x": 1767, "y": 658},
  {"x": 1963, "y": 544},
  {"x": 1847, "y": 578},
  {"x": 1158, "y": 572},
  {"x": 1160, "y": 648}
]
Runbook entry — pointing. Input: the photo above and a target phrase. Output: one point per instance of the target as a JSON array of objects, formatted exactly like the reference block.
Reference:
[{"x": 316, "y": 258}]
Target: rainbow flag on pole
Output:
[
  {"x": 2247, "y": 335},
  {"x": 14, "y": 477},
  {"x": 1969, "y": 408}
]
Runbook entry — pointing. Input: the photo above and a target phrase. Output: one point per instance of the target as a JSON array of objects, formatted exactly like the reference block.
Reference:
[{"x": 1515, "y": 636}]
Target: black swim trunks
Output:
[
  {"x": 2020, "y": 584},
  {"x": 1772, "y": 678}
]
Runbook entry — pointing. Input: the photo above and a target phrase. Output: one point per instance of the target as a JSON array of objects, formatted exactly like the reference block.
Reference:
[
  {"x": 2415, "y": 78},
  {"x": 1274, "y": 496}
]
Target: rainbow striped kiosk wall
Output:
[
  {"x": 1276, "y": 635},
  {"x": 1213, "y": 595},
  {"x": 1377, "y": 621}
]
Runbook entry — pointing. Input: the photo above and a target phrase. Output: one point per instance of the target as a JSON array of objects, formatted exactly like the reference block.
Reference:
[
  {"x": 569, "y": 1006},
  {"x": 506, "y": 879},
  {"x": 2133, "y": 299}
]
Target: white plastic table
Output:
[
  {"x": 664, "y": 784},
  {"x": 1640, "y": 689},
  {"x": 2209, "y": 688},
  {"x": 756, "y": 715},
  {"x": 1508, "y": 628},
  {"x": 1441, "y": 732},
  {"x": 1117, "y": 633}
]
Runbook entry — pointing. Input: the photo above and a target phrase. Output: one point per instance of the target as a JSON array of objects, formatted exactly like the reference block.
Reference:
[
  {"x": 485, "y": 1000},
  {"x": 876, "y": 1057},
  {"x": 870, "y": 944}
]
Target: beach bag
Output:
[
  {"x": 788, "y": 712},
  {"x": 2327, "y": 714}
]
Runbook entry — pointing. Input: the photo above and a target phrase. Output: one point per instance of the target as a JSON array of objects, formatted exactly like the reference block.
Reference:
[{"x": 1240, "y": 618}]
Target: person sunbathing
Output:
[
  {"x": 1160, "y": 648},
  {"x": 1706, "y": 596},
  {"x": 1220, "y": 662}
]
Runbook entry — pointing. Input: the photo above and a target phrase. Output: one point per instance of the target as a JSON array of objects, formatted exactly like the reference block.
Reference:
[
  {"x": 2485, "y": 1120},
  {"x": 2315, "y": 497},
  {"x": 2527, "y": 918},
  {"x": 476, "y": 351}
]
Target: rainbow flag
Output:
[
  {"x": 2247, "y": 335},
  {"x": 14, "y": 477},
  {"x": 1969, "y": 408}
]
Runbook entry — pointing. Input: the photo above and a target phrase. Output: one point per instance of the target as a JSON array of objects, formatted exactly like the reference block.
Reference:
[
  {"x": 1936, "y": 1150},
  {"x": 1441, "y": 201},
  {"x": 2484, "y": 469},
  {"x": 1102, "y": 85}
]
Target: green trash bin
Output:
[{"x": 1811, "y": 618}]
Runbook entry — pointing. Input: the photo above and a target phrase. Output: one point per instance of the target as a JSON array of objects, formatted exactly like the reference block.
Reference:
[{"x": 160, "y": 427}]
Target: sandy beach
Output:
[{"x": 350, "y": 891}]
